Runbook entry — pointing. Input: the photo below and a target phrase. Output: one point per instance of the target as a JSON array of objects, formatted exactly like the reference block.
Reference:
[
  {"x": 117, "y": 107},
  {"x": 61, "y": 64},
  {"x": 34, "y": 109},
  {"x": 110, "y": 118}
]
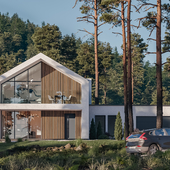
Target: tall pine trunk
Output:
[
  {"x": 130, "y": 111},
  {"x": 159, "y": 66},
  {"x": 105, "y": 86},
  {"x": 125, "y": 72},
  {"x": 96, "y": 55}
]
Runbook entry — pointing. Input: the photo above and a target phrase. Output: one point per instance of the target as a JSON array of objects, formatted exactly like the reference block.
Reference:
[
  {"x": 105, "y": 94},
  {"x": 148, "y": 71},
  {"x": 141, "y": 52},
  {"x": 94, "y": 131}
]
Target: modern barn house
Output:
[{"x": 41, "y": 98}]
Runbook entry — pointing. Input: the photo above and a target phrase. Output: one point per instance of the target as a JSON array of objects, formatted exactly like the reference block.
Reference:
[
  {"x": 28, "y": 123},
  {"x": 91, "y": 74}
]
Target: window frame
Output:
[{"x": 27, "y": 70}]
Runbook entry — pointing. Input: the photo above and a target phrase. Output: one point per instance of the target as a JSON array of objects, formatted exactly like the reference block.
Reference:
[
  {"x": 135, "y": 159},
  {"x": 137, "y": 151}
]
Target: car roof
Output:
[{"x": 148, "y": 130}]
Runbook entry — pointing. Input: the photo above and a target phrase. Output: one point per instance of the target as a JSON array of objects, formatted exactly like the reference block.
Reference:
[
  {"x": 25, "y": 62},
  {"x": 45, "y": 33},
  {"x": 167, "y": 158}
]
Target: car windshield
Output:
[{"x": 134, "y": 136}]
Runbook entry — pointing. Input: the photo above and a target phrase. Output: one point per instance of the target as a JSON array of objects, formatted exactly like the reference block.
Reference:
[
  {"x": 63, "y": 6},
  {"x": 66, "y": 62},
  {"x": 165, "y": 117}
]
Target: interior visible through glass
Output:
[
  {"x": 8, "y": 92},
  {"x": 23, "y": 88},
  {"x": 21, "y": 124},
  {"x": 7, "y": 124}
]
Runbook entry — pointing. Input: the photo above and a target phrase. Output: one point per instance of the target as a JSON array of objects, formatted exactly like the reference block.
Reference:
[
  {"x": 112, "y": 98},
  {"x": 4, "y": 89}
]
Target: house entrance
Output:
[{"x": 69, "y": 126}]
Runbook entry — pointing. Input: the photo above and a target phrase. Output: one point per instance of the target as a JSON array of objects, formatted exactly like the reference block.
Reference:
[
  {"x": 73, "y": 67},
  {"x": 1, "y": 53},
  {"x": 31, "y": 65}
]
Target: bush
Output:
[
  {"x": 78, "y": 142},
  {"x": 19, "y": 140},
  {"x": 103, "y": 137},
  {"x": 99, "y": 130},
  {"x": 7, "y": 139},
  {"x": 7, "y": 133},
  {"x": 92, "y": 134},
  {"x": 118, "y": 127}
]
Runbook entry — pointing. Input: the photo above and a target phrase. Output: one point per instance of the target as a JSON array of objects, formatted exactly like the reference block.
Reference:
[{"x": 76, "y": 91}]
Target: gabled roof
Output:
[{"x": 41, "y": 58}]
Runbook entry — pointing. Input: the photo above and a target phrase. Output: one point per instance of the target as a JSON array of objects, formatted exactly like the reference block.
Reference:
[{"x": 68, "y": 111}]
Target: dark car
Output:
[{"x": 148, "y": 141}]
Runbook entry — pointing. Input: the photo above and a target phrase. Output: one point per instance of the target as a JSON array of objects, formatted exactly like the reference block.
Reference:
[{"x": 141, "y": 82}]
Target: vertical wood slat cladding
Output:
[
  {"x": 53, "y": 124},
  {"x": 53, "y": 81}
]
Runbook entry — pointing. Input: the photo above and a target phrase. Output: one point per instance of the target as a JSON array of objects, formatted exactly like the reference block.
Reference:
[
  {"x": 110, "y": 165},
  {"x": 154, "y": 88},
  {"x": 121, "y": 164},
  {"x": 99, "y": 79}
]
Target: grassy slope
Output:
[{"x": 43, "y": 143}]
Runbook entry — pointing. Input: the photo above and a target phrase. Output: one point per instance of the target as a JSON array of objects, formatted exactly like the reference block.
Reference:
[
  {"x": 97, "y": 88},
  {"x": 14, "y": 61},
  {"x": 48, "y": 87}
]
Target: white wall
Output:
[
  {"x": 113, "y": 110},
  {"x": 105, "y": 110}
]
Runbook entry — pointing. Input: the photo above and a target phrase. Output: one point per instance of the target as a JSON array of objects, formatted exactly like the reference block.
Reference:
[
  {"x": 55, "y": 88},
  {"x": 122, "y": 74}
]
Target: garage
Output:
[{"x": 149, "y": 122}]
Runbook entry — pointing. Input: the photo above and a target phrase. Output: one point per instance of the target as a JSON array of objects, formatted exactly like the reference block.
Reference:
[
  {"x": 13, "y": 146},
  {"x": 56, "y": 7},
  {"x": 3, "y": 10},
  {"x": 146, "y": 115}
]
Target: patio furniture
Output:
[
  {"x": 59, "y": 96},
  {"x": 50, "y": 98},
  {"x": 68, "y": 99},
  {"x": 59, "y": 93},
  {"x": 58, "y": 99}
]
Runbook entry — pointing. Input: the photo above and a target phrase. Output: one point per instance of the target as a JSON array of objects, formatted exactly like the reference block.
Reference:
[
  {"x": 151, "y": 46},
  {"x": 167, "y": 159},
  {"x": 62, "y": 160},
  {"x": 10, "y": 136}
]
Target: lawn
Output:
[
  {"x": 52, "y": 143},
  {"x": 94, "y": 155}
]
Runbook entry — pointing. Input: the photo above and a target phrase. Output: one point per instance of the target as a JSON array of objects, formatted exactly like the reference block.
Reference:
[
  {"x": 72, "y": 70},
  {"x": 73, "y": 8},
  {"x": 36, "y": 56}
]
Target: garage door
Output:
[
  {"x": 149, "y": 122},
  {"x": 166, "y": 121},
  {"x": 145, "y": 122}
]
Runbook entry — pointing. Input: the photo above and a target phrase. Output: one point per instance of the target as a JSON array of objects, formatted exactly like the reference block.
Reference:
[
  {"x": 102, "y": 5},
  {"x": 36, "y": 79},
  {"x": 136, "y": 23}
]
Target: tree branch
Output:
[
  {"x": 135, "y": 7},
  {"x": 89, "y": 16},
  {"x": 149, "y": 8},
  {"x": 115, "y": 24},
  {"x": 165, "y": 51},
  {"x": 117, "y": 33},
  {"x": 154, "y": 39},
  {"x": 150, "y": 53},
  {"x": 101, "y": 24},
  {"x": 144, "y": 18},
  {"x": 145, "y": 5},
  {"x": 111, "y": 7},
  {"x": 99, "y": 33},
  {"x": 75, "y": 3},
  {"x": 165, "y": 63},
  {"x": 89, "y": 8},
  {"x": 87, "y": 32},
  {"x": 85, "y": 19},
  {"x": 152, "y": 31}
]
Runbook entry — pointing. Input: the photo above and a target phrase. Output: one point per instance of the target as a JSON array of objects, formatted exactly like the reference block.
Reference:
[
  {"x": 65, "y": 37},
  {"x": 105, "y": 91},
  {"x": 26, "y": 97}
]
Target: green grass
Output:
[
  {"x": 94, "y": 156},
  {"x": 112, "y": 155},
  {"x": 43, "y": 143}
]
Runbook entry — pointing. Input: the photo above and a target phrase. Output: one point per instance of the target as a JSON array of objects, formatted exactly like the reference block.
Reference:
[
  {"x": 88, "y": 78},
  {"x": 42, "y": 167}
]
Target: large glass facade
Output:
[
  {"x": 21, "y": 124},
  {"x": 23, "y": 88},
  {"x": 7, "y": 124}
]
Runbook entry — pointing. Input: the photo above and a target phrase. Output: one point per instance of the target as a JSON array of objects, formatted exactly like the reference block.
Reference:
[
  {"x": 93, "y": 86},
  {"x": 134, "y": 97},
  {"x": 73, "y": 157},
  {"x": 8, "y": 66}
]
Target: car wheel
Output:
[{"x": 152, "y": 149}]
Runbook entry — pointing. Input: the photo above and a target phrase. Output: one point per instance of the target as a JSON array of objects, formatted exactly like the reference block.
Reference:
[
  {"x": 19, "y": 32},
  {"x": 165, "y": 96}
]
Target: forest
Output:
[{"x": 20, "y": 40}]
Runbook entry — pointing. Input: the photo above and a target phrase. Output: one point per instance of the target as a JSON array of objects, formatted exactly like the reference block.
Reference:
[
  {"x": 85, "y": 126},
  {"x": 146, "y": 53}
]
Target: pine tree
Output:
[
  {"x": 99, "y": 130},
  {"x": 92, "y": 130},
  {"x": 86, "y": 60},
  {"x": 69, "y": 46},
  {"x": 118, "y": 127},
  {"x": 151, "y": 21},
  {"x": 138, "y": 48},
  {"x": 47, "y": 40},
  {"x": 91, "y": 10},
  {"x": 105, "y": 62}
]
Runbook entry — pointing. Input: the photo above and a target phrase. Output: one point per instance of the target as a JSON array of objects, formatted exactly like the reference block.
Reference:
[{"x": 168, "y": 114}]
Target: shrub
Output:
[
  {"x": 107, "y": 134},
  {"x": 92, "y": 134},
  {"x": 19, "y": 140},
  {"x": 103, "y": 137},
  {"x": 99, "y": 130},
  {"x": 7, "y": 133},
  {"x": 78, "y": 142},
  {"x": 7, "y": 139},
  {"x": 94, "y": 151},
  {"x": 118, "y": 127}
]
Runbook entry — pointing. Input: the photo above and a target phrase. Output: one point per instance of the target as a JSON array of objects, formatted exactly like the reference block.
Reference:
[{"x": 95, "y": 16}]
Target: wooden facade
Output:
[
  {"x": 53, "y": 81},
  {"x": 53, "y": 124}
]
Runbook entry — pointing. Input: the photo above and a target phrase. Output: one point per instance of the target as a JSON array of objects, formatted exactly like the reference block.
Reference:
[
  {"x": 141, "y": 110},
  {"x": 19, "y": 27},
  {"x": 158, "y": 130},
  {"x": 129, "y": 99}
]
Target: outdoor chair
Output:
[
  {"x": 69, "y": 98},
  {"x": 50, "y": 98}
]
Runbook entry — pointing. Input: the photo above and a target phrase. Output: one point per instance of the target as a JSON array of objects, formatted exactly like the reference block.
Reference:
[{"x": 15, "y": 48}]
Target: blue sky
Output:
[{"x": 61, "y": 14}]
